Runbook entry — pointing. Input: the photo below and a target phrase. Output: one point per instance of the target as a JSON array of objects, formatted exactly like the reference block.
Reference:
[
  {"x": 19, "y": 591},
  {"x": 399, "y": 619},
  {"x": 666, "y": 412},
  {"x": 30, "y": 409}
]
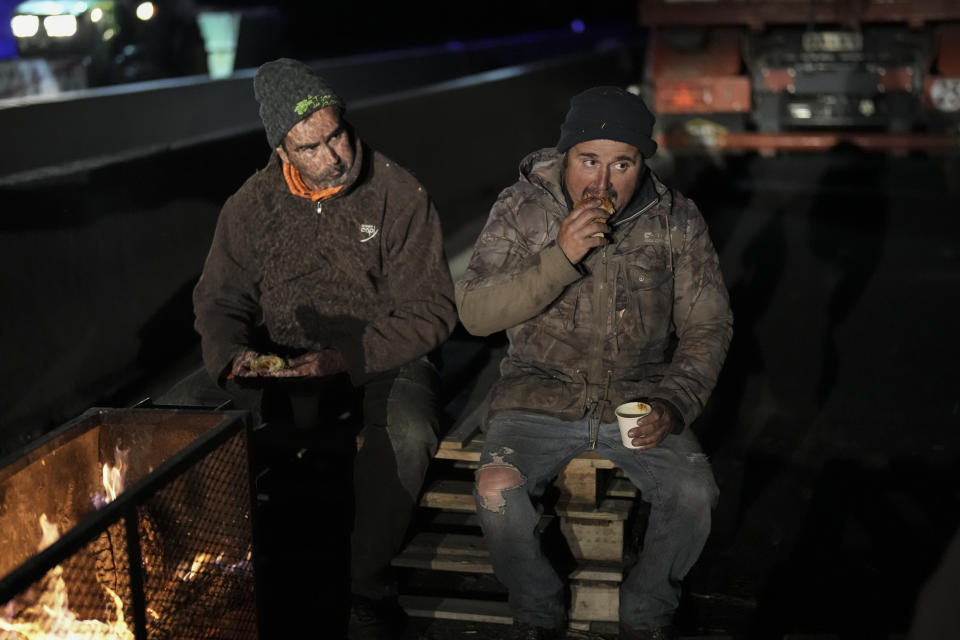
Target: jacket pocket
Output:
[
  {"x": 644, "y": 303},
  {"x": 641, "y": 279}
]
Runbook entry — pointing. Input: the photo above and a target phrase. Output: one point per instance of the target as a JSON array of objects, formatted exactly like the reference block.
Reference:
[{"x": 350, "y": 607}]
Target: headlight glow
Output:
[
  {"x": 945, "y": 94},
  {"x": 800, "y": 111},
  {"x": 62, "y": 26},
  {"x": 25, "y": 26},
  {"x": 146, "y": 10},
  {"x": 96, "y": 15}
]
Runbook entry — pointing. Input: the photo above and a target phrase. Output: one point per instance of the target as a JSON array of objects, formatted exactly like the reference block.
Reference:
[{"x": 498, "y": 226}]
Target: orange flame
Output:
[{"x": 50, "y": 615}]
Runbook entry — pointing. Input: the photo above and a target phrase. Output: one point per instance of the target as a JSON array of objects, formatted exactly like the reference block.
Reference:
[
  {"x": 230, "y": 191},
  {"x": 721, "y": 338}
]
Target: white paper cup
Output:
[{"x": 627, "y": 415}]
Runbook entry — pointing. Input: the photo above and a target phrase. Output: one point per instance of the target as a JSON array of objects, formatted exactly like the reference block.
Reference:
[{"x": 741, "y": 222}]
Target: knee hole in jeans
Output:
[{"x": 492, "y": 480}]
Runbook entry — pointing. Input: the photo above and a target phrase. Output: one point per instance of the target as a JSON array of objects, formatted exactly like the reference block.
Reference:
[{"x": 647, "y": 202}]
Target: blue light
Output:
[
  {"x": 577, "y": 26},
  {"x": 8, "y": 44},
  {"x": 454, "y": 45}
]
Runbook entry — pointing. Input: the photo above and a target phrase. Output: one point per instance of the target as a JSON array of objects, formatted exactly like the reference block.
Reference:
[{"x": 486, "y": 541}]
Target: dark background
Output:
[
  {"x": 833, "y": 429},
  {"x": 309, "y": 29}
]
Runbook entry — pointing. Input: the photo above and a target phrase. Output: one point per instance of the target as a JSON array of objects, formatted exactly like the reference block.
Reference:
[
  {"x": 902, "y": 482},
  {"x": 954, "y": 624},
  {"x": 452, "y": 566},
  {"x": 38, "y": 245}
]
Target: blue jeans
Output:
[
  {"x": 401, "y": 423},
  {"x": 675, "y": 478}
]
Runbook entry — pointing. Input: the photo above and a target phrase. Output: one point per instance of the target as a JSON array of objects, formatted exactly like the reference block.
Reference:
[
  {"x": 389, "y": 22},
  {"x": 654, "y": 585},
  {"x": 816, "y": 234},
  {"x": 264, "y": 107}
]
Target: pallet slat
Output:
[
  {"x": 463, "y": 432},
  {"x": 457, "y": 609},
  {"x": 446, "y": 552},
  {"x": 608, "y": 509},
  {"x": 449, "y": 494},
  {"x": 468, "y": 553},
  {"x": 458, "y": 495},
  {"x": 621, "y": 488}
]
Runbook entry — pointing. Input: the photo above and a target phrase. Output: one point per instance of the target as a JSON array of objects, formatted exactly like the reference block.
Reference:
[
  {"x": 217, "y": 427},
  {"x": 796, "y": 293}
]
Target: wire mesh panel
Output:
[
  {"x": 157, "y": 538},
  {"x": 70, "y": 601},
  {"x": 196, "y": 535}
]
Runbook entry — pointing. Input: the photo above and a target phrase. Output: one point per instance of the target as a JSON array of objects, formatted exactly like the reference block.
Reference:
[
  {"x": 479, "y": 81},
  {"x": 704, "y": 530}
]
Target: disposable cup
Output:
[{"x": 627, "y": 415}]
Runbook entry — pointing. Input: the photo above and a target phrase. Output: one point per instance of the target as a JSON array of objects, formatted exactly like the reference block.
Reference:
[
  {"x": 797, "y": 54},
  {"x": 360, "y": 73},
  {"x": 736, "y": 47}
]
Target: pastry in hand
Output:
[{"x": 600, "y": 203}]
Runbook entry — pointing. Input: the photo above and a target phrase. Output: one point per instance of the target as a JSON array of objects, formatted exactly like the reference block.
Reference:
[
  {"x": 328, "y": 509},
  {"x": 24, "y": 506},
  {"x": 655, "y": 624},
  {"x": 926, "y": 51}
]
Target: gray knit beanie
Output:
[
  {"x": 288, "y": 91},
  {"x": 608, "y": 113}
]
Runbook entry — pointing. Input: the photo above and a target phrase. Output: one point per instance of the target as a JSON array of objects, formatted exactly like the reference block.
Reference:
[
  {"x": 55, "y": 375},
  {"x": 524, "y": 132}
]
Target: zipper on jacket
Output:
[
  {"x": 594, "y": 422},
  {"x": 319, "y": 207},
  {"x": 600, "y": 328},
  {"x": 600, "y": 318},
  {"x": 639, "y": 212}
]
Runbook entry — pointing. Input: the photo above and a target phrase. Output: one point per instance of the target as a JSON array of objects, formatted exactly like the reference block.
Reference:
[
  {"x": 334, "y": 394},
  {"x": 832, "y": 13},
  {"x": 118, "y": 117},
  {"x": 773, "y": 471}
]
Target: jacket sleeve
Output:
[
  {"x": 702, "y": 316},
  {"x": 226, "y": 298},
  {"x": 423, "y": 313},
  {"x": 507, "y": 282}
]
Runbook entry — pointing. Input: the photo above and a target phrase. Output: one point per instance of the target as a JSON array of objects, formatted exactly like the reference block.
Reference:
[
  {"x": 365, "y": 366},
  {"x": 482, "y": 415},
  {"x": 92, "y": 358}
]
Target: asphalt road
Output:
[{"x": 833, "y": 430}]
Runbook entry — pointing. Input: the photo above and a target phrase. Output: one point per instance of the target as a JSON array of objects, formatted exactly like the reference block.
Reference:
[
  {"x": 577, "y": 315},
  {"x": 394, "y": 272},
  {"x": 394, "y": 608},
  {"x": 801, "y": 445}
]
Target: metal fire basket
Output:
[{"x": 169, "y": 556}]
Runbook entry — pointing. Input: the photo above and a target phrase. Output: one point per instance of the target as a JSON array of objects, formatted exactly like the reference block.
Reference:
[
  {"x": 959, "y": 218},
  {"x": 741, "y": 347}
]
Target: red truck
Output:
[{"x": 774, "y": 75}]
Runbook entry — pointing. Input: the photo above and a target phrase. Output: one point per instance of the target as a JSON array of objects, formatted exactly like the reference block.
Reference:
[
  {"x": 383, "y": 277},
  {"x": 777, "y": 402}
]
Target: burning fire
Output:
[
  {"x": 112, "y": 479},
  {"x": 43, "y": 612},
  {"x": 50, "y": 616}
]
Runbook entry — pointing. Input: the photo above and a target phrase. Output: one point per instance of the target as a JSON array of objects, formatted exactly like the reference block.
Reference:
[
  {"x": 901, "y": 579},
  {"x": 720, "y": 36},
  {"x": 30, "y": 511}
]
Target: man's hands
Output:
[
  {"x": 241, "y": 364},
  {"x": 315, "y": 364},
  {"x": 576, "y": 235},
  {"x": 652, "y": 428}
]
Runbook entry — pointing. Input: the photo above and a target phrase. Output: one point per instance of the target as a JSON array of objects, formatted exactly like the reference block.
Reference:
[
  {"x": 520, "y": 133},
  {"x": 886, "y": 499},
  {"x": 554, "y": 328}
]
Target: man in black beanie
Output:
[
  {"x": 326, "y": 290},
  {"x": 610, "y": 293}
]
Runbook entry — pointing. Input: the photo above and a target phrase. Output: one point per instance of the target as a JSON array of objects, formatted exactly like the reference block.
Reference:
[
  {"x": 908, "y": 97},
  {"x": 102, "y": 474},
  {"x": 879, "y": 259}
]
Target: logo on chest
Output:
[
  {"x": 368, "y": 231},
  {"x": 653, "y": 237}
]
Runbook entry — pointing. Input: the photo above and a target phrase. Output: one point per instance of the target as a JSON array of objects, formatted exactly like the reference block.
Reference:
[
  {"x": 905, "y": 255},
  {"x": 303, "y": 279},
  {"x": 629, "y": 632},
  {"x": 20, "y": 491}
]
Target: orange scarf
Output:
[{"x": 298, "y": 188}]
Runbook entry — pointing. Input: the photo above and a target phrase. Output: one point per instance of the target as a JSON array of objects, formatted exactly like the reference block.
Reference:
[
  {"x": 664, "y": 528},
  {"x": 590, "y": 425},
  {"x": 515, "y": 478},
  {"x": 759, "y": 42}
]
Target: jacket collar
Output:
[
  {"x": 646, "y": 197},
  {"x": 542, "y": 167}
]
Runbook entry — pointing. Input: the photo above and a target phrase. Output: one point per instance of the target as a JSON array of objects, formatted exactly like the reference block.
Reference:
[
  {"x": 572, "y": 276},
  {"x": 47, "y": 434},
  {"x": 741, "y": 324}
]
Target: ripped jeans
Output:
[{"x": 527, "y": 450}]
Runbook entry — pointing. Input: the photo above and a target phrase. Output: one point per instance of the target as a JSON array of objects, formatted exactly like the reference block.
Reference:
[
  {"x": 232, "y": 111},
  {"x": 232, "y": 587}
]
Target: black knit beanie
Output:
[
  {"x": 608, "y": 113},
  {"x": 288, "y": 91}
]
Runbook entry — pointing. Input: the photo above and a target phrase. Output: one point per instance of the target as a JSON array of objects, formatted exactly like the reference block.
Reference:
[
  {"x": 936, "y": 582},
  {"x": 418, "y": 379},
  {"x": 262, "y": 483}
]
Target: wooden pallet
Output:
[
  {"x": 592, "y": 510},
  {"x": 594, "y": 585}
]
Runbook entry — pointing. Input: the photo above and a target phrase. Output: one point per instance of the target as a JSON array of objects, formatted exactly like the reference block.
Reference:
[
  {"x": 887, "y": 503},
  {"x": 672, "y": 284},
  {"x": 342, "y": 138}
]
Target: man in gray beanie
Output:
[
  {"x": 610, "y": 293},
  {"x": 326, "y": 289}
]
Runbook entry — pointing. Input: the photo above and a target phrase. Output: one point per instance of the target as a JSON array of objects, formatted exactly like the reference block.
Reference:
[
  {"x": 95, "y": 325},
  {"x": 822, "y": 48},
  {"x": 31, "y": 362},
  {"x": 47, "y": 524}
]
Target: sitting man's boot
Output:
[
  {"x": 661, "y": 633},
  {"x": 376, "y": 619},
  {"x": 524, "y": 631}
]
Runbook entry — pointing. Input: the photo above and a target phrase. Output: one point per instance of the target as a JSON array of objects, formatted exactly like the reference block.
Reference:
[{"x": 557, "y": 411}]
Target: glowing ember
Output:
[{"x": 195, "y": 567}]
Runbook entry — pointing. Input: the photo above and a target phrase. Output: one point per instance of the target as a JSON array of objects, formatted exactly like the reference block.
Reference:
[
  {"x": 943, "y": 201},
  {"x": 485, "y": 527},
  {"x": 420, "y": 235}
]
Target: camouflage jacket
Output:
[
  {"x": 646, "y": 316},
  {"x": 363, "y": 271}
]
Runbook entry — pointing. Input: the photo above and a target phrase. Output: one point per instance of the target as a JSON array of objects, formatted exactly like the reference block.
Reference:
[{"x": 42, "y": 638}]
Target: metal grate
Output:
[{"x": 172, "y": 553}]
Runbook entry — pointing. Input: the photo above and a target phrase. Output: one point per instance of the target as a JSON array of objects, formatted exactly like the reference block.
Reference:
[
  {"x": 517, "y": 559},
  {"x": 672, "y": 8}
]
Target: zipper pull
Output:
[{"x": 319, "y": 207}]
